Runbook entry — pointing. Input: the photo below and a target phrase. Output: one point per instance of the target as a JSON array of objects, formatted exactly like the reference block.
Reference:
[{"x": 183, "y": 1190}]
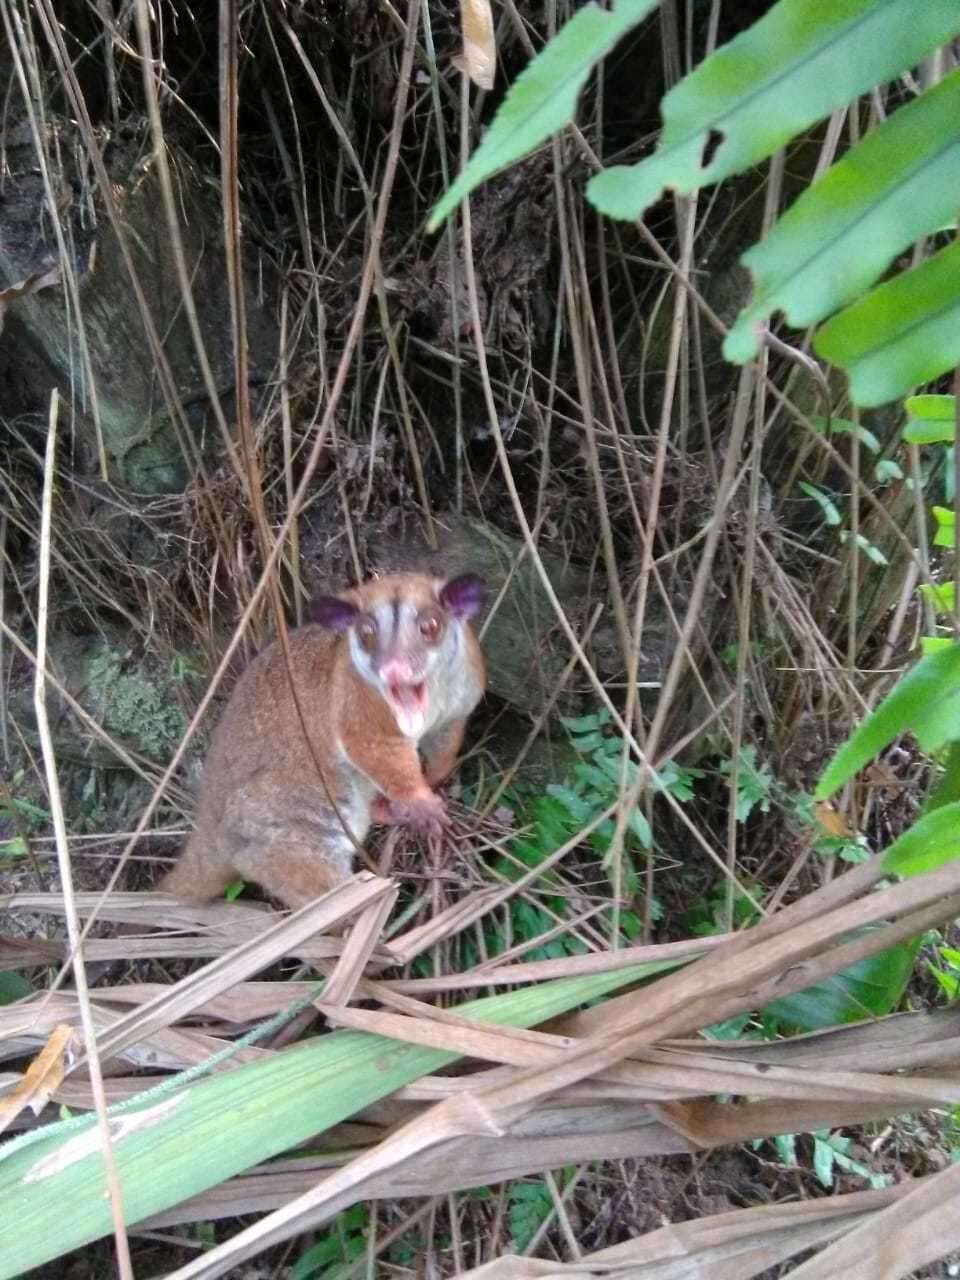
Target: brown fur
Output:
[{"x": 264, "y": 814}]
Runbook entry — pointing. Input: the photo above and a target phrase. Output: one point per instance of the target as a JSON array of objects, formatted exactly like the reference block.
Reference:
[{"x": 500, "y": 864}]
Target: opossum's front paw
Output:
[
  {"x": 424, "y": 811},
  {"x": 382, "y": 812}
]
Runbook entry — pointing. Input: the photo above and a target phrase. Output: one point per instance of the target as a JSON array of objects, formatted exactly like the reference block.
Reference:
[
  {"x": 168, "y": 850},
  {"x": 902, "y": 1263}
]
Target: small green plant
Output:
[
  {"x": 831, "y": 1155},
  {"x": 22, "y": 814},
  {"x": 342, "y": 1244},
  {"x": 946, "y": 971},
  {"x": 529, "y": 1206},
  {"x": 931, "y": 421},
  {"x": 707, "y": 916},
  {"x": 755, "y": 783},
  {"x": 953, "y": 1134},
  {"x": 553, "y": 819}
]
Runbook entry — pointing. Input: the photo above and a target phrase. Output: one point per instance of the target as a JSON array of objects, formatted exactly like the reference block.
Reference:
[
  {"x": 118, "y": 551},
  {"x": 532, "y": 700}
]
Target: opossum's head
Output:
[{"x": 405, "y": 634}]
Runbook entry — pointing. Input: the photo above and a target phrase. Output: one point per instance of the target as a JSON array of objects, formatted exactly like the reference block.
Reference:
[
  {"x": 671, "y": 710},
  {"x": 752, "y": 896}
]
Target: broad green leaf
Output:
[
  {"x": 933, "y": 419},
  {"x": 932, "y": 841},
  {"x": 802, "y": 60},
  {"x": 935, "y": 644},
  {"x": 931, "y": 408},
  {"x": 902, "y": 334},
  {"x": 929, "y": 432},
  {"x": 946, "y": 531},
  {"x": 913, "y": 705},
  {"x": 947, "y": 790},
  {"x": 871, "y": 988},
  {"x": 169, "y": 1148},
  {"x": 543, "y": 98},
  {"x": 843, "y": 232},
  {"x": 940, "y": 594}
]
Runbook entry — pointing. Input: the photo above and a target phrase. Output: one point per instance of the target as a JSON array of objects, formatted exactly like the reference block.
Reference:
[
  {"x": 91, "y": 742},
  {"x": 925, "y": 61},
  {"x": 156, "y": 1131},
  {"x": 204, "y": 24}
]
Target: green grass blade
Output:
[
  {"x": 841, "y": 235},
  {"x": 543, "y": 98},
  {"x": 201, "y": 1135},
  {"x": 902, "y": 334},
  {"x": 802, "y": 60},
  {"x": 925, "y": 702}
]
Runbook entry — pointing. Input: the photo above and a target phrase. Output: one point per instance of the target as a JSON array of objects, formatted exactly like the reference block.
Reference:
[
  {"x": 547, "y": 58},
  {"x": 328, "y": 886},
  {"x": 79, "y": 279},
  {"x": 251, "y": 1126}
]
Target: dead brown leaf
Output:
[
  {"x": 479, "y": 57},
  {"x": 42, "y": 1077}
]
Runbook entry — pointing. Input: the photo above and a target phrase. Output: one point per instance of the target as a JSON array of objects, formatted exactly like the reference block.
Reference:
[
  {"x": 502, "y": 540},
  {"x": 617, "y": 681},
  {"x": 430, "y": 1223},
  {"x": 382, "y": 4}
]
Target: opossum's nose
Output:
[{"x": 397, "y": 671}]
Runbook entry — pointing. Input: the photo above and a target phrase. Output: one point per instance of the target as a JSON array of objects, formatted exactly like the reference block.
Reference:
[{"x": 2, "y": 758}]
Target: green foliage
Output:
[
  {"x": 135, "y": 706},
  {"x": 831, "y": 1155},
  {"x": 871, "y": 988},
  {"x": 946, "y": 531},
  {"x": 842, "y": 233},
  {"x": 543, "y": 98},
  {"x": 707, "y": 916},
  {"x": 549, "y": 826},
  {"x": 947, "y": 790},
  {"x": 926, "y": 702},
  {"x": 947, "y": 971},
  {"x": 931, "y": 420},
  {"x": 529, "y": 1206},
  {"x": 343, "y": 1243},
  {"x": 953, "y": 1135},
  {"x": 932, "y": 840},
  {"x": 23, "y": 815},
  {"x": 754, "y": 783},
  {"x": 941, "y": 595},
  {"x": 904, "y": 333},
  {"x": 173, "y": 1147},
  {"x": 830, "y": 513},
  {"x": 866, "y": 546},
  {"x": 885, "y": 470},
  {"x": 801, "y": 61},
  {"x": 844, "y": 427},
  {"x": 13, "y": 987},
  {"x": 554, "y": 819}
]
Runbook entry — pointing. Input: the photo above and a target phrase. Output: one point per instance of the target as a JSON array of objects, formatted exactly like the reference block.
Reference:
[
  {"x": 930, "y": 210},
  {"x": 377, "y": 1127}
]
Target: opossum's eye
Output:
[
  {"x": 430, "y": 627},
  {"x": 367, "y": 634}
]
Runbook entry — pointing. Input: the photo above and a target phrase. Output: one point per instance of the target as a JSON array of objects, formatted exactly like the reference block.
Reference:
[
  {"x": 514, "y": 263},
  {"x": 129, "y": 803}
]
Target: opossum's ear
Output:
[
  {"x": 464, "y": 596},
  {"x": 333, "y": 613}
]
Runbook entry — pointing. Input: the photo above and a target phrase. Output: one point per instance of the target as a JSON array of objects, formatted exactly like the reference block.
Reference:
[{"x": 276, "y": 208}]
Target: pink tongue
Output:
[{"x": 408, "y": 696}]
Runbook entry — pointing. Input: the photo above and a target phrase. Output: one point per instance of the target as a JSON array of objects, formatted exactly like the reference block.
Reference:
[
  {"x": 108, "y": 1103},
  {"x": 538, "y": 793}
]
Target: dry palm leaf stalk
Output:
[
  {"x": 615, "y": 1080},
  {"x": 619, "y": 1079}
]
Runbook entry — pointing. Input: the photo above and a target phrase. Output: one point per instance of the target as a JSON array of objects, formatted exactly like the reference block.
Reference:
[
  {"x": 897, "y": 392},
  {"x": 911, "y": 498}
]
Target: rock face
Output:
[{"x": 73, "y": 319}]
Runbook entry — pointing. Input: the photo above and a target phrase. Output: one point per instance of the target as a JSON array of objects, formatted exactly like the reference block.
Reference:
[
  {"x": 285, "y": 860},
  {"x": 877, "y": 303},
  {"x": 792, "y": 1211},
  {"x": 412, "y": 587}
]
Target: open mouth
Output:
[{"x": 409, "y": 703}]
